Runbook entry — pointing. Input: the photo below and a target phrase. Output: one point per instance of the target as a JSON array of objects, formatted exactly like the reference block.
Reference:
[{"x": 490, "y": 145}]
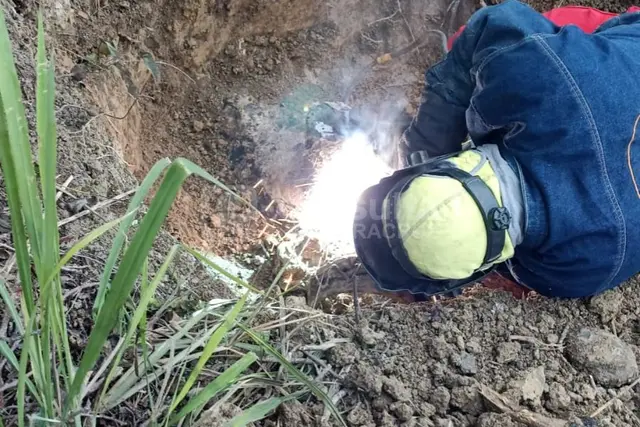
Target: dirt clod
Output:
[
  {"x": 427, "y": 409},
  {"x": 78, "y": 72},
  {"x": 611, "y": 361},
  {"x": 607, "y": 305},
  {"x": 359, "y": 416},
  {"x": 440, "y": 399},
  {"x": 402, "y": 410},
  {"x": 396, "y": 389},
  {"x": 465, "y": 362},
  {"x": 467, "y": 399},
  {"x": 438, "y": 348},
  {"x": 368, "y": 336},
  {"x": 385, "y": 419},
  {"x": 491, "y": 419},
  {"x": 587, "y": 391},
  {"x": 364, "y": 377},
  {"x": 559, "y": 400},
  {"x": 418, "y": 422},
  {"x": 507, "y": 352},
  {"x": 198, "y": 126},
  {"x": 473, "y": 345},
  {"x": 295, "y": 413},
  {"x": 215, "y": 221},
  {"x": 218, "y": 415},
  {"x": 533, "y": 386},
  {"x": 553, "y": 339},
  {"x": 343, "y": 354},
  {"x": 444, "y": 422},
  {"x": 296, "y": 302}
]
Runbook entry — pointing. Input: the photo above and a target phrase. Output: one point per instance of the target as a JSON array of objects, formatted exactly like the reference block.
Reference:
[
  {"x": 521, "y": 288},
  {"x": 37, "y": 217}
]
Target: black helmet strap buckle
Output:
[{"x": 418, "y": 158}]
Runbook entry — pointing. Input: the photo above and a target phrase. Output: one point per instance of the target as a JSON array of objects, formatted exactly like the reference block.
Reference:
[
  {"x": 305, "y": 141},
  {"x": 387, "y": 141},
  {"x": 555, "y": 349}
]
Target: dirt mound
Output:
[{"x": 433, "y": 364}]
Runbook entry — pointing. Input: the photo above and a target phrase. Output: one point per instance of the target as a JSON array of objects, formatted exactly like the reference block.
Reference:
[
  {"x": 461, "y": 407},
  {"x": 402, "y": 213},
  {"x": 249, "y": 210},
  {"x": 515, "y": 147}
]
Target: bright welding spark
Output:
[{"x": 330, "y": 207}]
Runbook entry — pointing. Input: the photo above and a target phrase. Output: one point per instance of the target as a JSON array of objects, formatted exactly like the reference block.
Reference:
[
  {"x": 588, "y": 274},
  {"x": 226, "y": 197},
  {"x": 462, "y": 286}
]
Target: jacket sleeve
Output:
[{"x": 439, "y": 126}]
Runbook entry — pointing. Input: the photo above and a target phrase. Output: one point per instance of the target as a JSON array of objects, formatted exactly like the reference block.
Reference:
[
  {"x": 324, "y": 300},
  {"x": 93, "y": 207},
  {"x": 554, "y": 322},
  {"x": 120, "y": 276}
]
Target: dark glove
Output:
[{"x": 438, "y": 128}]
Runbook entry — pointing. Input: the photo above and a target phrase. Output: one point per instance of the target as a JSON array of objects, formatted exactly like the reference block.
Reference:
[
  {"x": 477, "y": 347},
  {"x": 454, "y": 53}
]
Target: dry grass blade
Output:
[
  {"x": 6, "y": 352},
  {"x": 211, "y": 346},
  {"x": 138, "y": 315},
  {"x": 220, "y": 383},
  {"x": 129, "y": 382},
  {"x": 11, "y": 307},
  {"x": 296, "y": 373},
  {"x": 612, "y": 400},
  {"x": 260, "y": 410}
]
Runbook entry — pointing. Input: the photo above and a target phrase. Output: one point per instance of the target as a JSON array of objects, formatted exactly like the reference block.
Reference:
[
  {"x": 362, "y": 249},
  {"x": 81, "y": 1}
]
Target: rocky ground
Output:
[
  {"x": 430, "y": 365},
  {"x": 225, "y": 87}
]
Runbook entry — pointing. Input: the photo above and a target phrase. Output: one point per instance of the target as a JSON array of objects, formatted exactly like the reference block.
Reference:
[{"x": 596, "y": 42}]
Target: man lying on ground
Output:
[{"x": 547, "y": 195}]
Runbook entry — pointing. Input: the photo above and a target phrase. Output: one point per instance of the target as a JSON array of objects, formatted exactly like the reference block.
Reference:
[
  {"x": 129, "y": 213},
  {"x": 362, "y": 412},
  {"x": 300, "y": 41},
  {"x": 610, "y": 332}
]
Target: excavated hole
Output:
[{"x": 234, "y": 78}]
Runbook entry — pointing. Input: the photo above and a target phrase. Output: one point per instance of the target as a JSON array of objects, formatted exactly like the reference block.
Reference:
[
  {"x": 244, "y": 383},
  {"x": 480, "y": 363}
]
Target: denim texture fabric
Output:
[{"x": 562, "y": 106}]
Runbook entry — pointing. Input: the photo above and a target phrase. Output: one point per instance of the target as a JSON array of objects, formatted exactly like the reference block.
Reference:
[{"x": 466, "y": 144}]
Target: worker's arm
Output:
[{"x": 439, "y": 126}]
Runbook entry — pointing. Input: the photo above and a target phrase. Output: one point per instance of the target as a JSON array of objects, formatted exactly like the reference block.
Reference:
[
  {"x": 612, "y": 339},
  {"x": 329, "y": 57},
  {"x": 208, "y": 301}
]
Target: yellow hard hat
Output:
[
  {"x": 441, "y": 226},
  {"x": 433, "y": 227}
]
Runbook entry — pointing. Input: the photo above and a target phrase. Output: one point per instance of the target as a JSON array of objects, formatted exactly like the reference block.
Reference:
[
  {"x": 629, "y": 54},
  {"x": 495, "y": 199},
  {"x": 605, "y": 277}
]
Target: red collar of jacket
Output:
[{"x": 587, "y": 18}]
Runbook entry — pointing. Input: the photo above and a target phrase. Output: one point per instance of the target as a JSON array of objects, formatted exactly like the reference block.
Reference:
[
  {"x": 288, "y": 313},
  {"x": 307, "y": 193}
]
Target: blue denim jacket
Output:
[{"x": 562, "y": 107}]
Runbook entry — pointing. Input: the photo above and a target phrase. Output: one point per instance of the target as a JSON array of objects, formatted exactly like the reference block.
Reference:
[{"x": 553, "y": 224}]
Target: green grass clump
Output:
[{"x": 56, "y": 388}]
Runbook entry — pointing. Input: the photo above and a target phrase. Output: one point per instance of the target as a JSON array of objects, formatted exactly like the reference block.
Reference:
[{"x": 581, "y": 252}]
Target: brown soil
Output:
[
  {"x": 225, "y": 69},
  {"x": 229, "y": 72}
]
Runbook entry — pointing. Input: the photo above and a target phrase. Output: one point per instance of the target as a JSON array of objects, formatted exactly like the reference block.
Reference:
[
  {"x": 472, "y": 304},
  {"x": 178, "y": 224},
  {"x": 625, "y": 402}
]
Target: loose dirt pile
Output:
[
  {"x": 427, "y": 365},
  {"x": 224, "y": 83}
]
